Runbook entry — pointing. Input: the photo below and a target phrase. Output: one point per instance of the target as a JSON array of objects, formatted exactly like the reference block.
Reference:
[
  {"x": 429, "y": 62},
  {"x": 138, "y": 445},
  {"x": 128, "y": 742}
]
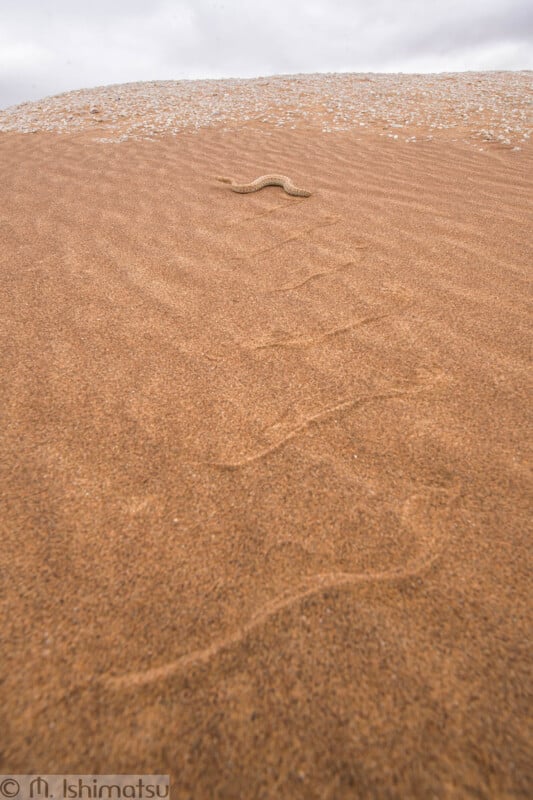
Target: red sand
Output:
[{"x": 264, "y": 465}]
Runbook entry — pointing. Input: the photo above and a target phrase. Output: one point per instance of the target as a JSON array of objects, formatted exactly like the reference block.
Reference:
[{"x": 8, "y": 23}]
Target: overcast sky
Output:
[{"x": 51, "y": 46}]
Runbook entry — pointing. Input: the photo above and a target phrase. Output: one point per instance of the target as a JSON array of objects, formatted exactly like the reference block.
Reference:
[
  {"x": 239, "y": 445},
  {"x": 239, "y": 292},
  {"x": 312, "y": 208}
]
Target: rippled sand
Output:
[{"x": 264, "y": 465}]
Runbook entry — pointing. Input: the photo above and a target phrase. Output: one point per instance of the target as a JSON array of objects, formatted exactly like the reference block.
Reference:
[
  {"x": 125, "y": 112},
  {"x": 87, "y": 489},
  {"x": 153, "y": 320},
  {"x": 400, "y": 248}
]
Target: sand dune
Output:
[{"x": 264, "y": 458}]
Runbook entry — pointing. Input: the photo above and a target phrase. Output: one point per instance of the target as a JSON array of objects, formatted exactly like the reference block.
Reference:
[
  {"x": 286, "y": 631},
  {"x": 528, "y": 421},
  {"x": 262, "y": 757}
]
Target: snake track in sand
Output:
[{"x": 266, "y": 180}]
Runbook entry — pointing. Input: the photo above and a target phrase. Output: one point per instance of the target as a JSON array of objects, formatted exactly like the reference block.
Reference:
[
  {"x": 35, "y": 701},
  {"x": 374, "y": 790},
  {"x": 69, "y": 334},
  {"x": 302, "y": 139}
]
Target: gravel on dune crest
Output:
[{"x": 473, "y": 106}]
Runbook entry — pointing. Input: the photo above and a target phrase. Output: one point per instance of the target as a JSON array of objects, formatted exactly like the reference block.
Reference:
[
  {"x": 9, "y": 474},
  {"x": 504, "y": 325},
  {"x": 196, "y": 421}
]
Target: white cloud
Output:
[{"x": 22, "y": 56}]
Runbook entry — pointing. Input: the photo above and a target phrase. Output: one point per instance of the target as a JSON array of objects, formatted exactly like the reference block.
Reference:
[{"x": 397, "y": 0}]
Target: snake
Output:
[{"x": 266, "y": 180}]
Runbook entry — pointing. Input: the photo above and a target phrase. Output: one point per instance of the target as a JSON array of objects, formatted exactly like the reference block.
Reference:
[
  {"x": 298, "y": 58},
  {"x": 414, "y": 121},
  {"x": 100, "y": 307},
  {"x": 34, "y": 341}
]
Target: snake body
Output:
[{"x": 266, "y": 180}]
